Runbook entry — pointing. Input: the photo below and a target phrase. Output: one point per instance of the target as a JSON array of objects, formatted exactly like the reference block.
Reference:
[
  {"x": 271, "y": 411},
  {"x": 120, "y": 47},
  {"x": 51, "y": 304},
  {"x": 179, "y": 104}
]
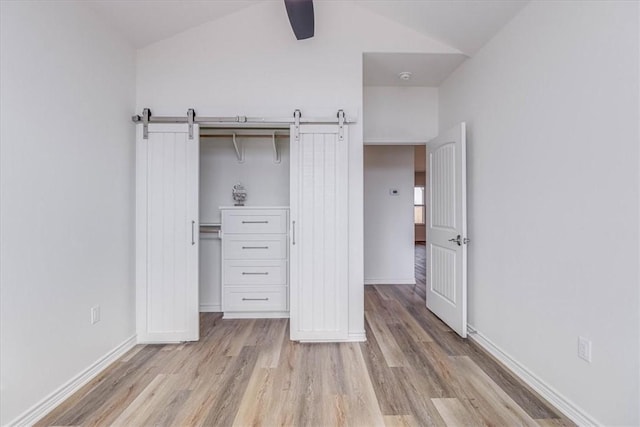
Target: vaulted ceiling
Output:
[
  {"x": 144, "y": 22},
  {"x": 462, "y": 24}
]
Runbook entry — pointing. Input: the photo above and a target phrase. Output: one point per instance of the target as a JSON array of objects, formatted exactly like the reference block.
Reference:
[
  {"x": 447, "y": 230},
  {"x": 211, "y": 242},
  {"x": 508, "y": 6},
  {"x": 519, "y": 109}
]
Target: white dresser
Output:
[{"x": 255, "y": 262}]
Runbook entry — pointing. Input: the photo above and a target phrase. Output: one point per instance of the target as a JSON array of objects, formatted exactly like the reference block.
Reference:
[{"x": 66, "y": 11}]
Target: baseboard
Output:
[
  {"x": 357, "y": 336},
  {"x": 256, "y": 315},
  {"x": 210, "y": 308},
  {"x": 350, "y": 338},
  {"x": 411, "y": 281},
  {"x": 46, "y": 405},
  {"x": 564, "y": 405}
]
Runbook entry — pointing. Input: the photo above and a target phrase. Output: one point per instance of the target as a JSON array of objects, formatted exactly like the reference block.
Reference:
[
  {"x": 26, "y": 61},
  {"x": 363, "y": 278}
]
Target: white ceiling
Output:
[
  {"x": 427, "y": 69},
  {"x": 143, "y": 22},
  {"x": 463, "y": 24}
]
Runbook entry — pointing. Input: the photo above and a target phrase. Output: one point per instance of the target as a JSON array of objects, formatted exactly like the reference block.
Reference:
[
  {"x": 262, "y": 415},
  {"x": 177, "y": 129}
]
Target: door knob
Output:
[{"x": 457, "y": 240}]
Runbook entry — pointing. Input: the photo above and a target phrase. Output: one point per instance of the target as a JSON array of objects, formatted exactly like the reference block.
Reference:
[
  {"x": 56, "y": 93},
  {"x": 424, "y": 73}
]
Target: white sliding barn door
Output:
[
  {"x": 319, "y": 233},
  {"x": 167, "y": 234},
  {"x": 447, "y": 228}
]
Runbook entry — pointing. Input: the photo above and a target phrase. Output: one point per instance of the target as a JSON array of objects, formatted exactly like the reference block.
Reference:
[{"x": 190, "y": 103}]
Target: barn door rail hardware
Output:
[{"x": 146, "y": 118}]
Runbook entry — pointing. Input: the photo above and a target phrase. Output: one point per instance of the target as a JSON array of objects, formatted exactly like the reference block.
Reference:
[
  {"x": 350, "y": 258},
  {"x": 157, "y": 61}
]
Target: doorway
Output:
[
  {"x": 419, "y": 216},
  {"x": 389, "y": 215}
]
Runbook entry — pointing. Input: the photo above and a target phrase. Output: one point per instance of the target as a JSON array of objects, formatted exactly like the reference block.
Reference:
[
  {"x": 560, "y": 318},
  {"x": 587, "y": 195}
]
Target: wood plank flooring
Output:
[{"x": 412, "y": 371}]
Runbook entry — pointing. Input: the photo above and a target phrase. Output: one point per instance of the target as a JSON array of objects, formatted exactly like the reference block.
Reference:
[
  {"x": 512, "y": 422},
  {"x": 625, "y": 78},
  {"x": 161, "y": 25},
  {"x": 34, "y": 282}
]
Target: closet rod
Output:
[
  {"x": 239, "y": 134},
  {"x": 210, "y": 228},
  {"x": 226, "y": 131}
]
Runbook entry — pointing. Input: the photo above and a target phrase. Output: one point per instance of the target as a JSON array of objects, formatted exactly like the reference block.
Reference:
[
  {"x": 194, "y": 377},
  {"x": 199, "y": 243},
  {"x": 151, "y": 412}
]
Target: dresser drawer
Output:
[
  {"x": 255, "y": 272},
  {"x": 262, "y": 246},
  {"x": 256, "y": 221},
  {"x": 247, "y": 298}
]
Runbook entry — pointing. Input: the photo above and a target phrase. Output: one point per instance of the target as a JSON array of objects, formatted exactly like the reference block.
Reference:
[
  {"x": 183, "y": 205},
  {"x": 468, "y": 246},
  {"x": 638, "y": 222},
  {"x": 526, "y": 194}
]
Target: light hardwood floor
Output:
[{"x": 412, "y": 371}]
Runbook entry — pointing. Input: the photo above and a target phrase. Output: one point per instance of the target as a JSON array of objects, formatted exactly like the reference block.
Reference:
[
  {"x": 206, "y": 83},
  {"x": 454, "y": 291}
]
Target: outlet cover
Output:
[
  {"x": 584, "y": 349},
  {"x": 95, "y": 314}
]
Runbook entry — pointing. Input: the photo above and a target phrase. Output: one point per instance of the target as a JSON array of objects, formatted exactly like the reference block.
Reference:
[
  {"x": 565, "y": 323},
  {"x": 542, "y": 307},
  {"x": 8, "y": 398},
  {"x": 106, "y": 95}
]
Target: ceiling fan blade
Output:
[{"x": 301, "y": 17}]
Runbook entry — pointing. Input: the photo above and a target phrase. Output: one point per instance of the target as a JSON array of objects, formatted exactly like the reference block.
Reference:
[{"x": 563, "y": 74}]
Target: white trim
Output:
[
  {"x": 357, "y": 336},
  {"x": 256, "y": 315},
  {"x": 563, "y": 404},
  {"x": 50, "y": 402},
  {"x": 210, "y": 308},
  {"x": 411, "y": 281}
]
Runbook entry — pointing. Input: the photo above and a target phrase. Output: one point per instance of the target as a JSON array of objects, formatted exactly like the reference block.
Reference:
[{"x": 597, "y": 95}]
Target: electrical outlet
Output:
[
  {"x": 95, "y": 314},
  {"x": 584, "y": 349}
]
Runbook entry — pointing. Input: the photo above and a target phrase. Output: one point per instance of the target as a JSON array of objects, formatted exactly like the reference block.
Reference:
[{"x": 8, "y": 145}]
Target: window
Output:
[{"x": 418, "y": 205}]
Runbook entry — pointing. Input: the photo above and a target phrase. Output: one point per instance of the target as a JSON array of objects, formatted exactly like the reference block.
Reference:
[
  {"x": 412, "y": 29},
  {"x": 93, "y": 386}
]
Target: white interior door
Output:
[
  {"x": 319, "y": 233},
  {"x": 167, "y": 166},
  {"x": 447, "y": 228}
]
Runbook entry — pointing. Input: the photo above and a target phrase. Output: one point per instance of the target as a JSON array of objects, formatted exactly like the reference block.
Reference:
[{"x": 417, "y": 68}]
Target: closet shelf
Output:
[{"x": 234, "y": 134}]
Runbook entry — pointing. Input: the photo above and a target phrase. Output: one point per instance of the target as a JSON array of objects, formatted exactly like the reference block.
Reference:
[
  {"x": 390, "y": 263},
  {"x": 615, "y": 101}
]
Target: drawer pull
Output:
[
  {"x": 244, "y": 273},
  {"x": 255, "y": 247},
  {"x": 255, "y": 299},
  {"x": 255, "y": 222}
]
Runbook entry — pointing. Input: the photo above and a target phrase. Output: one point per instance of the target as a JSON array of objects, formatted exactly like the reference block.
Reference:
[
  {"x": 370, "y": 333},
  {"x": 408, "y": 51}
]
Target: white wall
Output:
[
  {"x": 552, "y": 110},
  {"x": 267, "y": 184},
  {"x": 67, "y": 153},
  {"x": 220, "y": 68},
  {"x": 400, "y": 115},
  {"x": 388, "y": 219}
]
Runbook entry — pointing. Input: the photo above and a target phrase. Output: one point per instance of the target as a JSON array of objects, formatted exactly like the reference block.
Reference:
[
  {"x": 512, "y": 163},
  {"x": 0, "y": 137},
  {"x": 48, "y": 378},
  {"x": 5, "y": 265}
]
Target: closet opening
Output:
[
  {"x": 242, "y": 216},
  {"x": 243, "y": 275}
]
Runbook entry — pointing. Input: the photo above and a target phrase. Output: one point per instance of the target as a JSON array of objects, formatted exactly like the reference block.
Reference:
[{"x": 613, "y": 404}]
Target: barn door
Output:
[
  {"x": 319, "y": 233},
  {"x": 447, "y": 228},
  {"x": 167, "y": 234}
]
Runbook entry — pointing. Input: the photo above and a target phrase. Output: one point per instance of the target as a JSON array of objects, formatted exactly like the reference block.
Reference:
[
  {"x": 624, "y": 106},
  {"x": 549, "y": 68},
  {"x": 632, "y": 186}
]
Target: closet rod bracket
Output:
[
  {"x": 276, "y": 154},
  {"x": 239, "y": 150}
]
